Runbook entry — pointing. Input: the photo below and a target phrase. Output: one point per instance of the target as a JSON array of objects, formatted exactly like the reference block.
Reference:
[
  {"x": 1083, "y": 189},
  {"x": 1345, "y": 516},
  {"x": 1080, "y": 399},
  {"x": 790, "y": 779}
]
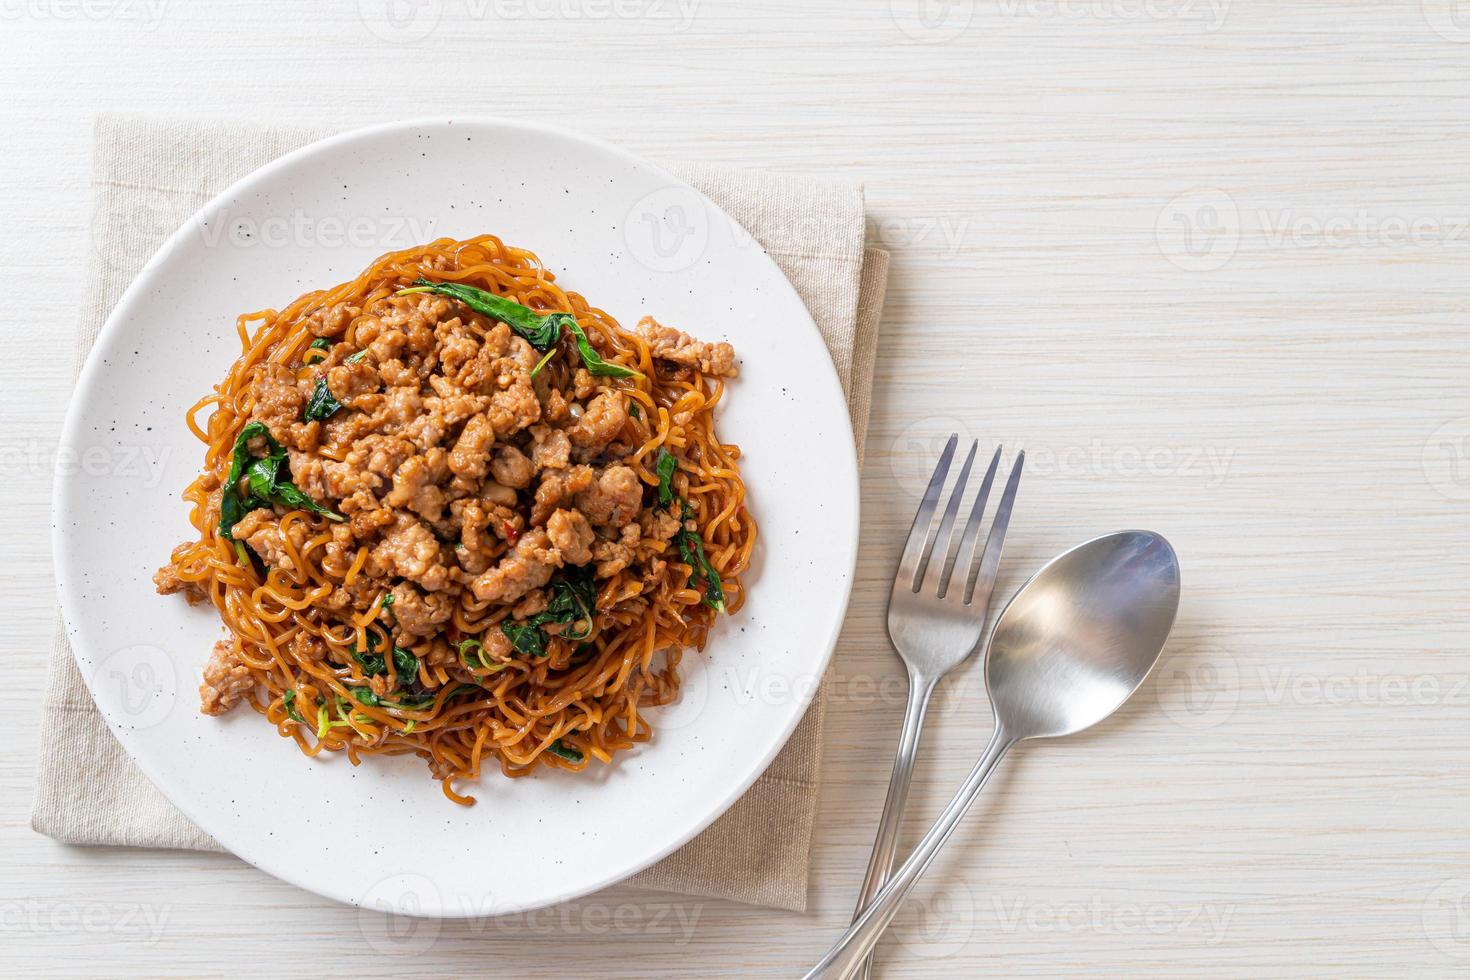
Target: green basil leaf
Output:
[
  {"x": 573, "y": 601},
  {"x": 263, "y": 476},
  {"x": 665, "y": 466},
  {"x": 541, "y": 330},
  {"x": 290, "y": 496},
  {"x": 572, "y": 605},
  {"x": 595, "y": 364},
  {"x": 372, "y": 664},
  {"x": 691, "y": 552},
  {"x": 289, "y": 700},
  {"x": 233, "y": 504},
  {"x": 323, "y": 404},
  {"x": 231, "y": 512},
  {"x": 405, "y": 664},
  {"x": 525, "y": 638}
]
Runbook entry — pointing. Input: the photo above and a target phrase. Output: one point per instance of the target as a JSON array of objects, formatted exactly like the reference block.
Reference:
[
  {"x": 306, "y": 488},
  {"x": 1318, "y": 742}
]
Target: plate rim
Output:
[{"x": 93, "y": 364}]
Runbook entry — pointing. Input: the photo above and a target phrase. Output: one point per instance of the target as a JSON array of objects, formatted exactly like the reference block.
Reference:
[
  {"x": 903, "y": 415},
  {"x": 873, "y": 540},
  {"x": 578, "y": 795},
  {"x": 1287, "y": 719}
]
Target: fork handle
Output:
[
  {"x": 843, "y": 959},
  {"x": 921, "y": 690}
]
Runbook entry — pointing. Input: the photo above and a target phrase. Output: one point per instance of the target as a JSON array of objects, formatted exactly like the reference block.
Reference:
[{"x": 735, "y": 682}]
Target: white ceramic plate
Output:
[{"x": 632, "y": 239}]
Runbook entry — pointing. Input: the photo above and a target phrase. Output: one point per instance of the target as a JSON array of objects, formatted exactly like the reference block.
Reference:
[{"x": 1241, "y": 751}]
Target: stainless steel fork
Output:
[{"x": 935, "y": 622}]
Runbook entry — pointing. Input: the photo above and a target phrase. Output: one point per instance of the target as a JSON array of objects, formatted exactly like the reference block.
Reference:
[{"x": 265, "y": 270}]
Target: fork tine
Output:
[
  {"x": 977, "y": 511},
  {"x": 939, "y": 558},
  {"x": 913, "y": 549},
  {"x": 982, "y": 578}
]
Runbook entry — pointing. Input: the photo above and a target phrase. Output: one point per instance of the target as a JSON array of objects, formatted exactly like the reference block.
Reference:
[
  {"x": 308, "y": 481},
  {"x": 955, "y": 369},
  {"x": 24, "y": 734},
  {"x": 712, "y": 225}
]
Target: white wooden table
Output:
[{"x": 1206, "y": 261}]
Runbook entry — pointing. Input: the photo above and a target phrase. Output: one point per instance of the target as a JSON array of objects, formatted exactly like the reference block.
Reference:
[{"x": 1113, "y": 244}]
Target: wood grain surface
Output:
[{"x": 1204, "y": 260}]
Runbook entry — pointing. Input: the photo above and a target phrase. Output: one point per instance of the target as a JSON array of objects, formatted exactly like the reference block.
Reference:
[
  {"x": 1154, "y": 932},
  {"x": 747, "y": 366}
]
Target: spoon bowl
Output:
[{"x": 1082, "y": 634}]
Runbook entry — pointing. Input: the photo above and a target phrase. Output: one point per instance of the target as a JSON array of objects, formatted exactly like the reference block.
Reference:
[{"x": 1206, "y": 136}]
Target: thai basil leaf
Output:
[
  {"x": 405, "y": 664},
  {"x": 289, "y": 700},
  {"x": 595, "y": 364},
  {"x": 525, "y": 638},
  {"x": 573, "y": 601},
  {"x": 263, "y": 477},
  {"x": 691, "y": 552},
  {"x": 541, "y": 330},
  {"x": 316, "y": 351},
  {"x": 665, "y": 466},
  {"x": 572, "y": 605},
  {"x": 371, "y": 663},
  {"x": 322, "y": 404},
  {"x": 565, "y": 751},
  {"x": 233, "y": 505},
  {"x": 290, "y": 496}
]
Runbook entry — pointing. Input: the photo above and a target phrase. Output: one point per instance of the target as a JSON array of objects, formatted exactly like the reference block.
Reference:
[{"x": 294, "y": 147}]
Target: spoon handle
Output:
[
  {"x": 843, "y": 959},
  {"x": 921, "y": 689}
]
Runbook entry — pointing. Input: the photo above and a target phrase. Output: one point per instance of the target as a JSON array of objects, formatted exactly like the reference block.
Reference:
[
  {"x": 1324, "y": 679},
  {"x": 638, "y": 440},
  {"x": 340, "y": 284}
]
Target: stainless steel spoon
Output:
[{"x": 1071, "y": 646}]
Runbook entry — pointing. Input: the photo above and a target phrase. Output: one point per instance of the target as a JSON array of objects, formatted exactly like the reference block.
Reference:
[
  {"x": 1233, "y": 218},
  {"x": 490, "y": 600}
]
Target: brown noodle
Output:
[{"x": 588, "y": 699}]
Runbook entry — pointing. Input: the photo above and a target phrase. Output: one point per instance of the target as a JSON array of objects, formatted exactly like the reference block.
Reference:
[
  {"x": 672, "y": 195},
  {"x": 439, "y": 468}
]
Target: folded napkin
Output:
[{"x": 149, "y": 175}]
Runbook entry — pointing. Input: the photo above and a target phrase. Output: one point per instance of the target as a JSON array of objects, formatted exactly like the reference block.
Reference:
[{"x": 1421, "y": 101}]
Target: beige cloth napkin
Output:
[{"x": 149, "y": 175}]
